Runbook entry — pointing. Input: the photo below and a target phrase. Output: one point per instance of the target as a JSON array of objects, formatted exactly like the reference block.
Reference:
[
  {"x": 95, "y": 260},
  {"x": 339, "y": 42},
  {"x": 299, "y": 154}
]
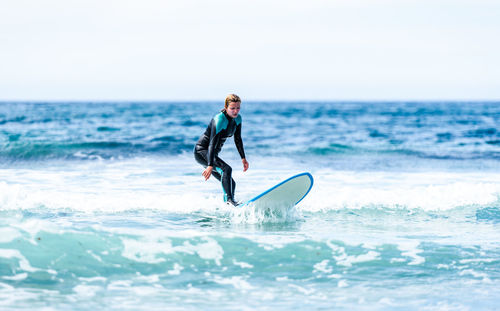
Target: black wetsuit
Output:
[{"x": 210, "y": 144}]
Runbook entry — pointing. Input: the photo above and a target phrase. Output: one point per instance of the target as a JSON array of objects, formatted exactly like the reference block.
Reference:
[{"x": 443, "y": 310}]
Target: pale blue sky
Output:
[{"x": 260, "y": 49}]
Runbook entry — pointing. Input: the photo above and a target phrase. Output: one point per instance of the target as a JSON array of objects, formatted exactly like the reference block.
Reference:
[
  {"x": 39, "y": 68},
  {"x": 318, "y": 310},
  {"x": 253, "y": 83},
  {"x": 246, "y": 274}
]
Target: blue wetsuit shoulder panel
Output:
[
  {"x": 221, "y": 122},
  {"x": 238, "y": 120}
]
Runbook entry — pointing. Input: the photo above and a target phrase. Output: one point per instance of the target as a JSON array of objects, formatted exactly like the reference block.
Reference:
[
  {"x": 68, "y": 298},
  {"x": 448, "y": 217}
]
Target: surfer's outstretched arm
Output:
[{"x": 239, "y": 145}]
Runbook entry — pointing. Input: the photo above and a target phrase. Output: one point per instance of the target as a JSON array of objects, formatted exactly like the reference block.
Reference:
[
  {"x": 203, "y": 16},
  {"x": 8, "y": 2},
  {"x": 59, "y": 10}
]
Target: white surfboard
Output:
[{"x": 287, "y": 193}]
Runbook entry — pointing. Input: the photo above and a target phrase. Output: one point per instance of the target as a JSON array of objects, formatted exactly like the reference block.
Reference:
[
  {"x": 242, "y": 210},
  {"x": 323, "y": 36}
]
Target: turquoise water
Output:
[{"x": 102, "y": 206}]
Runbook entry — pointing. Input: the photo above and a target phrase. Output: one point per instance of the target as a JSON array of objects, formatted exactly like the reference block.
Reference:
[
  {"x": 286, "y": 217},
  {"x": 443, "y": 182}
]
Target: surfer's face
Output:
[{"x": 233, "y": 109}]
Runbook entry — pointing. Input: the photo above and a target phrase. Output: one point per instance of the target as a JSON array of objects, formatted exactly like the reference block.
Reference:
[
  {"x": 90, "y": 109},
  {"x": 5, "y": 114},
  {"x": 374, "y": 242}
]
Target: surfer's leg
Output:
[
  {"x": 201, "y": 157},
  {"x": 228, "y": 184},
  {"x": 222, "y": 172}
]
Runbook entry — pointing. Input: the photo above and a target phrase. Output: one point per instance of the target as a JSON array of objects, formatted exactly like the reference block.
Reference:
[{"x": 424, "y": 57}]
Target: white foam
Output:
[
  {"x": 237, "y": 282},
  {"x": 86, "y": 291},
  {"x": 474, "y": 273},
  {"x": 14, "y": 296},
  {"x": 256, "y": 215},
  {"x": 9, "y": 234},
  {"x": 323, "y": 267},
  {"x": 109, "y": 187},
  {"x": 242, "y": 265},
  {"x": 119, "y": 285},
  {"x": 302, "y": 289},
  {"x": 387, "y": 301},
  {"x": 24, "y": 264},
  {"x": 34, "y": 226},
  {"x": 176, "y": 270},
  {"x": 475, "y": 260},
  {"x": 17, "y": 277},
  {"x": 149, "y": 249},
  {"x": 343, "y": 259},
  {"x": 410, "y": 249},
  {"x": 210, "y": 250},
  {"x": 414, "y": 190},
  {"x": 349, "y": 260},
  {"x": 154, "y": 278},
  {"x": 147, "y": 291},
  {"x": 271, "y": 242},
  {"x": 174, "y": 184},
  {"x": 146, "y": 250}
]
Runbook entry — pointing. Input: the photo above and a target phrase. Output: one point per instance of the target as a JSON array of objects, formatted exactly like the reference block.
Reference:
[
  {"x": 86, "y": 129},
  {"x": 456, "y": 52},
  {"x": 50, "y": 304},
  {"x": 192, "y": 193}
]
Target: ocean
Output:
[{"x": 103, "y": 207}]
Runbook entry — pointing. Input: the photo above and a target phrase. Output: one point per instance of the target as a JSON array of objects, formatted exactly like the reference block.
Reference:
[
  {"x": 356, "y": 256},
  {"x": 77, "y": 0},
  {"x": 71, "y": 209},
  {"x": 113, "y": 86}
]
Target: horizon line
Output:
[{"x": 243, "y": 101}]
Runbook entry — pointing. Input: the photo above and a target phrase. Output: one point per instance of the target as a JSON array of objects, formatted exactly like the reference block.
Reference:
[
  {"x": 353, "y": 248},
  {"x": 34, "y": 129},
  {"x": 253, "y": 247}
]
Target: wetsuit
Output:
[{"x": 210, "y": 144}]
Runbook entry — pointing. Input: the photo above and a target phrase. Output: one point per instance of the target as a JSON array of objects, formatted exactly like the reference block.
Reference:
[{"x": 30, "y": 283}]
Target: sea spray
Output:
[{"x": 251, "y": 214}]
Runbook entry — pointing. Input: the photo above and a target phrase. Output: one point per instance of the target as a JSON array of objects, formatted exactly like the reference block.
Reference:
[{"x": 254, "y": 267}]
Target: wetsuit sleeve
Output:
[
  {"x": 214, "y": 141},
  {"x": 238, "y": 141}
]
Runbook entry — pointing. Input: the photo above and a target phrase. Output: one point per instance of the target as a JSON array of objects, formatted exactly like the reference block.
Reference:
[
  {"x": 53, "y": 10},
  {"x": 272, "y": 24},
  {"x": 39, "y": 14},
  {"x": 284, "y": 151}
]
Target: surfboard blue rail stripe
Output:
[{"x": 284, "y": 182}]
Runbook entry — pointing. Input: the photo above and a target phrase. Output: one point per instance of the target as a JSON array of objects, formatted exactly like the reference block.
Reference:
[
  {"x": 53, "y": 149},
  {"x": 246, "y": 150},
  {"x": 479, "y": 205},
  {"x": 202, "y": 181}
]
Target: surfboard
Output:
[{"x": 287, "y": 193}]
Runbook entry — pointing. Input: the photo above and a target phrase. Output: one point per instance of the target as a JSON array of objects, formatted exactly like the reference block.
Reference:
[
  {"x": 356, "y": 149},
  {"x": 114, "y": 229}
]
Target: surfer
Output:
[{"x": 225, "y": 124}]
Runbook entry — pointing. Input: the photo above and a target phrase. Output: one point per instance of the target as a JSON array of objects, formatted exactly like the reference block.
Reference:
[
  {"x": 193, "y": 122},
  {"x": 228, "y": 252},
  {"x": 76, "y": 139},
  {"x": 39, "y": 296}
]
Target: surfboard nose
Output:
[{"x": 288, "y": 192}]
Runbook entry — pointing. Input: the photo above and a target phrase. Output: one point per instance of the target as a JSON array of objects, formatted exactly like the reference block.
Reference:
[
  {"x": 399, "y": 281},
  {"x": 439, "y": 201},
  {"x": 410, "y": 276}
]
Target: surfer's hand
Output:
[
  {"x": 207, "y": 172},
  {"x": 245, "y": 164}
]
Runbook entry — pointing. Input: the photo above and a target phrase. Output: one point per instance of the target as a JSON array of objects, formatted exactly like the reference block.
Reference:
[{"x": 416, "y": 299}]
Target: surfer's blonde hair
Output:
[{"x": 231, "y": 98}]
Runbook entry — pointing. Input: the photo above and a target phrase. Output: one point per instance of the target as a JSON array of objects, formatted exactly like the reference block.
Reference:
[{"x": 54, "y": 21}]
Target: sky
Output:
[{"x": 169, "y": 50}]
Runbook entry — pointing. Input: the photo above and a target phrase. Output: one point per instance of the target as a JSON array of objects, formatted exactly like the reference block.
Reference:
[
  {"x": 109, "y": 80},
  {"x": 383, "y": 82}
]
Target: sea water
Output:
[{"x": 103, "y": 207}]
